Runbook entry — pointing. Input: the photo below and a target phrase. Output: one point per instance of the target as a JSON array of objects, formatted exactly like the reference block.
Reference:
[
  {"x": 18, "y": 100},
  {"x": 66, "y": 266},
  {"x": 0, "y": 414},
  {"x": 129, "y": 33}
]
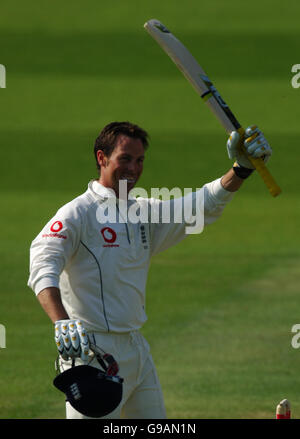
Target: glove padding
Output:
[
  {"x": 71, "y": 339},
  {"x": 255, "y": 143}
]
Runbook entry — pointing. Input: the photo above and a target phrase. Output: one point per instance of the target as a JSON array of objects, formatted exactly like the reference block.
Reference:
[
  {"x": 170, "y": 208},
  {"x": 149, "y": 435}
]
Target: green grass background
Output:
[{"x": 221, "y": 305}]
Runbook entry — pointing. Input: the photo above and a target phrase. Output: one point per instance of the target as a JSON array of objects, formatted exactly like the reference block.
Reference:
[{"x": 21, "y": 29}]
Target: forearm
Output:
[
  {"x": 50, "y": 301},
  {"x": 231, "y": 182}
]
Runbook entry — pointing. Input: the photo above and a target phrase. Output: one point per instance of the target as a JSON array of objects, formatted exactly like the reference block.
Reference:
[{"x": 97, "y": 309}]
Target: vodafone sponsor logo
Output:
[
  {"x": 55, "y": 228},
  {"x": 109, "y": 236}
]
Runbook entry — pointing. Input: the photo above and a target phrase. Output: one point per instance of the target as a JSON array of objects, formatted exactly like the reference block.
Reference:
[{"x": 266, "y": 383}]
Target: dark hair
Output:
[{"x": 106, "y": 141}]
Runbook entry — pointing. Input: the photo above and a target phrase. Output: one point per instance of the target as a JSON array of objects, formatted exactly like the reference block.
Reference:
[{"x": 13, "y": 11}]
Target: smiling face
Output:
[{"x": 125, "y": 163}]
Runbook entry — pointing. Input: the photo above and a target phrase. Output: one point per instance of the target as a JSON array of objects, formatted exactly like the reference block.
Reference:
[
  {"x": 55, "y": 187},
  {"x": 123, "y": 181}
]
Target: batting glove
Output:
[
  {"x": 71, "y": 339},
  {"x": 255, "y": 143}
]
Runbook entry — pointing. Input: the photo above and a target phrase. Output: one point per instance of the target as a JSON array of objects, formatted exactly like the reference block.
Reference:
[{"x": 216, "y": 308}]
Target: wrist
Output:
[{"x": 241, "y": 171}]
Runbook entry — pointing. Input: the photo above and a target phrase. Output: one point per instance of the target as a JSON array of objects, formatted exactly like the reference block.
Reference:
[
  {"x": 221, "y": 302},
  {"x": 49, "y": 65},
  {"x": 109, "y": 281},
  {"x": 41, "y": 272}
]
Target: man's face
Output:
[{"x": 125, "y": 163}]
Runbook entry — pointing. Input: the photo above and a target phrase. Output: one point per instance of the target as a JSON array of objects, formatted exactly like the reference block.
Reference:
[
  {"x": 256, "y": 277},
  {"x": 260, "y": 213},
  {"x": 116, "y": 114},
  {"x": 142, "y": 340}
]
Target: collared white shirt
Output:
[{"x": 101, "y": 268}]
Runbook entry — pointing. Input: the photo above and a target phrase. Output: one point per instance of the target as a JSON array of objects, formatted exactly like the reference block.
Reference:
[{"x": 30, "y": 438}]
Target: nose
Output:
[{"x": 132, "y": 166}]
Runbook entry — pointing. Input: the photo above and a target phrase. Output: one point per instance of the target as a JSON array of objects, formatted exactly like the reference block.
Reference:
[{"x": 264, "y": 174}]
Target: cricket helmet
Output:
[{"x": 90, "y": 391}]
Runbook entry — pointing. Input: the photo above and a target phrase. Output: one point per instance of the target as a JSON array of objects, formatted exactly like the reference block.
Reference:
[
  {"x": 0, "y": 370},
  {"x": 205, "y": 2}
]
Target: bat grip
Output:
[{"x": 261, "y": 168}]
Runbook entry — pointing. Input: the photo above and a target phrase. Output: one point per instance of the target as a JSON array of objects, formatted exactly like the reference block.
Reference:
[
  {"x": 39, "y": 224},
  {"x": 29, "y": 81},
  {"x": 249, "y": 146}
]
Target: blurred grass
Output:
[
  {"x": 220, "y": 305},
  {"x": 89, "y": 54},
  {"x": 72, "y": 16}
]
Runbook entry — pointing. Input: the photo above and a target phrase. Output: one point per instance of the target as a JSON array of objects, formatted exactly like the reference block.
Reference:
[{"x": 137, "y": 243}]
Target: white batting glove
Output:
[
  {"x": 255, "y": 143},
  {"x": 71, "y": 339}
]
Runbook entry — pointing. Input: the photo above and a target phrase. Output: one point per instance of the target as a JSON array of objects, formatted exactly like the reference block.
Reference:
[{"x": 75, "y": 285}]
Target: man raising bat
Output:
[{"x": 90, "y": 277}]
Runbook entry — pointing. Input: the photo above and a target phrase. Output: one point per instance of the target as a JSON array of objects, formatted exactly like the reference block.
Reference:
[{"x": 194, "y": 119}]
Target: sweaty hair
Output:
[{"x": 106, "y": 141}]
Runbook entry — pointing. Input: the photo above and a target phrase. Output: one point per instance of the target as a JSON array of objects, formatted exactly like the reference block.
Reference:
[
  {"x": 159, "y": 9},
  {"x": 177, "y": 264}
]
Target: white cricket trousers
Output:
[{"x": 142, "y": 394}]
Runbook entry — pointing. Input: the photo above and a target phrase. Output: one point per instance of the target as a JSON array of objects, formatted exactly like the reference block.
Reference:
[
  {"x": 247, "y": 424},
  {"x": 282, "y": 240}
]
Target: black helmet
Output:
[{"x": 90, "y": 391}]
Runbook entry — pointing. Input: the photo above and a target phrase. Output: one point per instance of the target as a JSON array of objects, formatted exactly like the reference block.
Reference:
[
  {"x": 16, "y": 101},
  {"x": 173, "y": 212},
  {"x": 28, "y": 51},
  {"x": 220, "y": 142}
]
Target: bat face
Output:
[
  {"x": 193, "y": 72},
  {"x": 212, "y": 91}
]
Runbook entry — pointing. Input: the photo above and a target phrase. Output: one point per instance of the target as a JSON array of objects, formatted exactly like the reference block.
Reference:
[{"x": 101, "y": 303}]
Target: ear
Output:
[{"x": 102, "y": 159}]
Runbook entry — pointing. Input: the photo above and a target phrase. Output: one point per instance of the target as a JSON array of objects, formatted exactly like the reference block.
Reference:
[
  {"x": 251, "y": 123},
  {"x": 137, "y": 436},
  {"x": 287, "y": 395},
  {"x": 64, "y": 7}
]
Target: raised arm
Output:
[{"x": 231, "y": 182}]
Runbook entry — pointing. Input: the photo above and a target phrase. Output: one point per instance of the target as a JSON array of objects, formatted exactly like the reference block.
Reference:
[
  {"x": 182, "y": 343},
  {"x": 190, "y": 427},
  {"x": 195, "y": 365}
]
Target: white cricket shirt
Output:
[{"x": 101, "y": 268}]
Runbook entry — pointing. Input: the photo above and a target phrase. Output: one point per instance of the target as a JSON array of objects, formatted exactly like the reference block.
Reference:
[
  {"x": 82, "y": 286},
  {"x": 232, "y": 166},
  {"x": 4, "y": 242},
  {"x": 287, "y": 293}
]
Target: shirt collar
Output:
[{"x": 103, "y": 191}]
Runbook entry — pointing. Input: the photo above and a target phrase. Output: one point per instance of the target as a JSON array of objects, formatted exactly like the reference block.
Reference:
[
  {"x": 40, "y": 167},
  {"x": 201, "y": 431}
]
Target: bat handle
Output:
[{"x": 263, "y": 171}]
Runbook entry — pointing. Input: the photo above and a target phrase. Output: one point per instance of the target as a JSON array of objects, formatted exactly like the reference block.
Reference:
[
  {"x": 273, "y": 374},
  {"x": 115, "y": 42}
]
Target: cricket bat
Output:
[{"x": 194, "y": 73}]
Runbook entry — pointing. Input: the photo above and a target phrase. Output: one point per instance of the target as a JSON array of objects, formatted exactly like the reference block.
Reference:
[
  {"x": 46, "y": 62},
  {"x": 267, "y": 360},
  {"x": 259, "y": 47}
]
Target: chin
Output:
[{"x": 129, "y": 185}]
